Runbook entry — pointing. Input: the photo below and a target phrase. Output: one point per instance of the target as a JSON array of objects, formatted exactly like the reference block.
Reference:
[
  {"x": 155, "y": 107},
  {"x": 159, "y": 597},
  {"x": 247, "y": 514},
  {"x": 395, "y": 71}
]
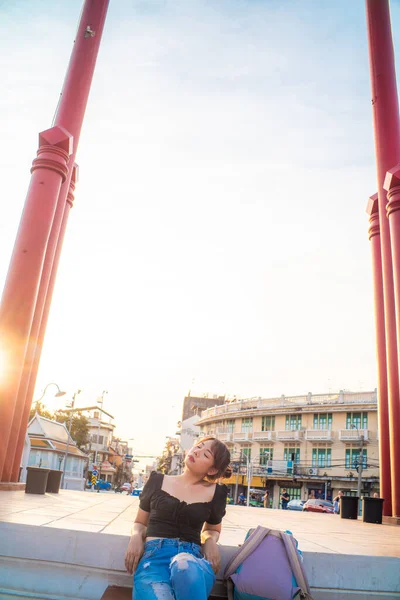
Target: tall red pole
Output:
[
  {"x": 38, "y": 331},
  {"x": 392, "y": 185},
  {"x": 17, "y": 307},
  {"x": 71, "y": 111},
  {"x": 385, "y": 110},
  {"x": 383, "y": 425}
]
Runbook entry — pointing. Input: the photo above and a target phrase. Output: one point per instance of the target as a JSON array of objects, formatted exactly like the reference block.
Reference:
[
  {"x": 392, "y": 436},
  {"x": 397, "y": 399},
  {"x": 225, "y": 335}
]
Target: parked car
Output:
[
  {"x": 103, "y": 485},
  {"x": 321, "y": 506},
  {"x": 125, "y": 487},
  {"x": 296, "y": 504}
]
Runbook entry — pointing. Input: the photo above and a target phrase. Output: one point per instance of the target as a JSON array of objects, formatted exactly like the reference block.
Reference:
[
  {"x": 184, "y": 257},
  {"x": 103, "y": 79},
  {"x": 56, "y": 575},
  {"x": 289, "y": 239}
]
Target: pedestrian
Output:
[
  {"x": 266, "y": 499},
  {"x": 376, "y": 495},
  {"x": 242, "y": 499},
  {"x": 173, "y": 550},
  {"x": 284, "y": 499},
  {"x": 336, "y": 503}
]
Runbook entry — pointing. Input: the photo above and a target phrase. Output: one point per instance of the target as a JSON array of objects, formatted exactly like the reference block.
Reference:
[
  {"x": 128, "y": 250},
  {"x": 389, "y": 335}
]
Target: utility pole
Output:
[
  {"x": 249, "y": 477},
  {"x": 69, "y": 433},
  {"x": 237, "y": 482},
  {"x": 101, "y": 402},
  {"x": 360, "y": 466},
  {"x": 359, "y": 462}
]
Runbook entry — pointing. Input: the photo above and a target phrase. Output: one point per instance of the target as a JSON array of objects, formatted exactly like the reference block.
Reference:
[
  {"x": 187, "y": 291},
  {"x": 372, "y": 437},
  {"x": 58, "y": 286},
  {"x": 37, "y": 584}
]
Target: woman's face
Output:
[{"x": 200, "y": 459}]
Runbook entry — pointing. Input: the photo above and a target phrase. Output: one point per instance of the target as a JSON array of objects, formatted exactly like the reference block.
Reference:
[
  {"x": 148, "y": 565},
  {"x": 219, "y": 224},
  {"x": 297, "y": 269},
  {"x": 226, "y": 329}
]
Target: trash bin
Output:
[
  {"x": 36, "y": 480},
  {"x": 372, "y": 509},
  {"x": 349, "y": 507},
  {"x": 53, "y": 481}
]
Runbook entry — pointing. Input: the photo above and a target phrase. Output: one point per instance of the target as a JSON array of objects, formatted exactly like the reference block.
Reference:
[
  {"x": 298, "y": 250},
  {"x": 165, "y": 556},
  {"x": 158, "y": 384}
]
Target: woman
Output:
[{"x": 173, "y": 548}]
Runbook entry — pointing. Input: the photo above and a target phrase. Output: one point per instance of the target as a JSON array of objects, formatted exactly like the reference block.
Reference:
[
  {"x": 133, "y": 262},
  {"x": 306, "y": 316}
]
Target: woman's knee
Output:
[{"x": 186, "y": 567}]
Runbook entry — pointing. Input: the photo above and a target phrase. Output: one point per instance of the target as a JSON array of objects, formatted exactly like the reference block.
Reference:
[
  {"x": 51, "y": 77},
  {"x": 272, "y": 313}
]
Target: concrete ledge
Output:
[
  {"x": 391, "y": 520},
  {"x": 61, "y": 564},
  {"x": 7, "y": 486}
]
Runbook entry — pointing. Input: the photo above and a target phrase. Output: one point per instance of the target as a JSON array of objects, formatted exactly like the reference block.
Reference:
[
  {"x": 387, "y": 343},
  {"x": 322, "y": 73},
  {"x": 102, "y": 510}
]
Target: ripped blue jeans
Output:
[{"x": 172, "y": 570}]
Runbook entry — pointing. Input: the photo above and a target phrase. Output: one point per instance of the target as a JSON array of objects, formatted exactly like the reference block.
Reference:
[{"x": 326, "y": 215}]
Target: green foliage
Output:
[
  {"x": 39, "y": 407},
  {"x": 79, "y": 427}
]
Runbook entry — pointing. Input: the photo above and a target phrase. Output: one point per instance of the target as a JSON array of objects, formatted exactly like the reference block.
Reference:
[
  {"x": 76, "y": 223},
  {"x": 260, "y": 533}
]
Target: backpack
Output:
[{"x": 267, "y": 567}]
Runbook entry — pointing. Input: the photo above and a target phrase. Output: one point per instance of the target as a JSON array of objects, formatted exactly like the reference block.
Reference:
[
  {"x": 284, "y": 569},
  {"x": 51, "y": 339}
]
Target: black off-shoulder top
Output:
[{"x": 173, "y": 518}]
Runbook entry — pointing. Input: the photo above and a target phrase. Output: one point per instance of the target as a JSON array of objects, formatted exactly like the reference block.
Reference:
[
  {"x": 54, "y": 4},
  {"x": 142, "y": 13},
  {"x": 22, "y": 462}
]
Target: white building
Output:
[
  {"x": 189, "y": 432},
  {"x": 48, "y": 441}
]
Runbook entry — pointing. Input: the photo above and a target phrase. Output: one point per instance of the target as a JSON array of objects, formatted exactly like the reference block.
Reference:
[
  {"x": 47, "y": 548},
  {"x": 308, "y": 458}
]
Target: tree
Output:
[
  {"x": 39, "y": 407},
  {"x": 79, "y": 427},
  {"x": 165, "y": 460}
]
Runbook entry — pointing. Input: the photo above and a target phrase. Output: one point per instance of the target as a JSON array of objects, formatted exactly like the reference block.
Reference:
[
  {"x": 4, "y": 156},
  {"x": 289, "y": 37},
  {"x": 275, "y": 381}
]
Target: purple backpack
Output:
[{"x": 267, "y": 567}]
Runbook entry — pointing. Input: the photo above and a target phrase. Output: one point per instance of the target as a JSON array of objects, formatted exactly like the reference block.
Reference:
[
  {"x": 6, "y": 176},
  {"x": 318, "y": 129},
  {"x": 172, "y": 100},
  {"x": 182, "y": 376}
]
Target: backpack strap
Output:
[
  {"x": 245, "y": 550},
  {"x": 230, "y": 589},
  {"x": 296, "y": 565}
]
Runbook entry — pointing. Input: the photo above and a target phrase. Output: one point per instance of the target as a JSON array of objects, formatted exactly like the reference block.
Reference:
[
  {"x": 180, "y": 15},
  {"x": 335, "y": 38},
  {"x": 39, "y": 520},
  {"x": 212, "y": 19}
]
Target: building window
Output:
[
  {"x": 247, "y": 424},
  {"x": 321, "y": 457},
  {"x": 96, "y": 415},
  {"x": 266, "y": 454},
  {"x": 101, "y": 439},
  {"x": 268, "y": 423},
  {"x": 72, "y": 465},
  {"x": 246, "y": 453},
  {"x": 352, "y": 458},
  {"x": 294, "y": 493},
  {"x": 34, "y": 458},
  {"x": 323, "y": 421},
  {"x": 357, "y": 421},
  {"x": 291, "y": 453},
  {"x": 230, "y": 426},
  {"x": 293, "y": 422}
]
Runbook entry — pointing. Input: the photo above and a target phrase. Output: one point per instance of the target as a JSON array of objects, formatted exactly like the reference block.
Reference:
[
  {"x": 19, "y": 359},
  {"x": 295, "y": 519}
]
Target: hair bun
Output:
[{"x": 227, "y": 473}]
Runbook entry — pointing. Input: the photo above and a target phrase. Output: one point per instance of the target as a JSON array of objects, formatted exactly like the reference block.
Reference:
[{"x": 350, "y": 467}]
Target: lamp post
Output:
[
  {"x": 101, "y": 402},
  {"x": 57, "y": 395},
  {"x": 71, "y": 407},
  {"x": 359, "y": 462}
]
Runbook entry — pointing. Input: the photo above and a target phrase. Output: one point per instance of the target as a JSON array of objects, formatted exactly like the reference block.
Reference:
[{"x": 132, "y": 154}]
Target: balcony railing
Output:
[
  {"x": 263, "y": 404},
  {"x": 288, "y": 435},
  {"x": 353, "y": 435},
  {"x": 242, "y": 436},
  {"x": 267, "y": 436},
  {"x": 225, "y": 436},
  {"x": 317, "y": 435}
]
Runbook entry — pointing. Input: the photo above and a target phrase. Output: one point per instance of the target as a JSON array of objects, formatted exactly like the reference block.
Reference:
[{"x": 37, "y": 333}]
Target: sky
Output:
[{"x": 218, "y": 240}]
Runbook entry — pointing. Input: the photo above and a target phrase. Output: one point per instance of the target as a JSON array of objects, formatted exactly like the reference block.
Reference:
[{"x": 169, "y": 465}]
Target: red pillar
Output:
[
  {"x": 392, "y": 185},
  {"x": 384, "y": 445},
  {"x": 385, "y": 110},
  {"x": 28, "y": 381},
  {"x": 17, "y": 307},
  {"x": 70, "y": 111}
]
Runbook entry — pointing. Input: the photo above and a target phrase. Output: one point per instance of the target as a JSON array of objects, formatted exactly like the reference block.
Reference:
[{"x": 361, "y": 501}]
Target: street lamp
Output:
[
  {"x": 71, "y": 407},
  {"x": 57, "y": 395}
]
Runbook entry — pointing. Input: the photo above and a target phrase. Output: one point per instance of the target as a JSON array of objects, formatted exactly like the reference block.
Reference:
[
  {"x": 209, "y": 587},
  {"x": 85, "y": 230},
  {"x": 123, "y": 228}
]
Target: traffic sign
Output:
[{"x": 95, "y": 473}]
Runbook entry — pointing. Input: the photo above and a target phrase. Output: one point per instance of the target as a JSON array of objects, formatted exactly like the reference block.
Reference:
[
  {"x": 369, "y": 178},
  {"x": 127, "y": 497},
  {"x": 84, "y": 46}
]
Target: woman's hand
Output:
[
  {"x": 211, "y": 553},
  {"x": 134, "y": 553}
]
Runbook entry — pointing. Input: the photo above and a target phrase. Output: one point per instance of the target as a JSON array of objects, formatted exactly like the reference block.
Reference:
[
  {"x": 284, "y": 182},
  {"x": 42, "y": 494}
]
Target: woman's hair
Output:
[{"x": 222, "y": 458}]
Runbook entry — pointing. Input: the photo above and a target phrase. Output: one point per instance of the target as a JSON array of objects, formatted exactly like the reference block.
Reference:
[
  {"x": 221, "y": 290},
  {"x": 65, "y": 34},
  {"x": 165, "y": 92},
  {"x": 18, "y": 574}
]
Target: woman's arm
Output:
[
  {"x": 136, "y": 543},
  {"x": 209, "y": 539}
]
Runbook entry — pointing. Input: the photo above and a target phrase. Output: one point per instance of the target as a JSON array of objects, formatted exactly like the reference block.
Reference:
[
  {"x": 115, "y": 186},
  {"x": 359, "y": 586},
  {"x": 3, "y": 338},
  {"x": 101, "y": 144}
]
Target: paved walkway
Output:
[{"x": 108, "y": 512}]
